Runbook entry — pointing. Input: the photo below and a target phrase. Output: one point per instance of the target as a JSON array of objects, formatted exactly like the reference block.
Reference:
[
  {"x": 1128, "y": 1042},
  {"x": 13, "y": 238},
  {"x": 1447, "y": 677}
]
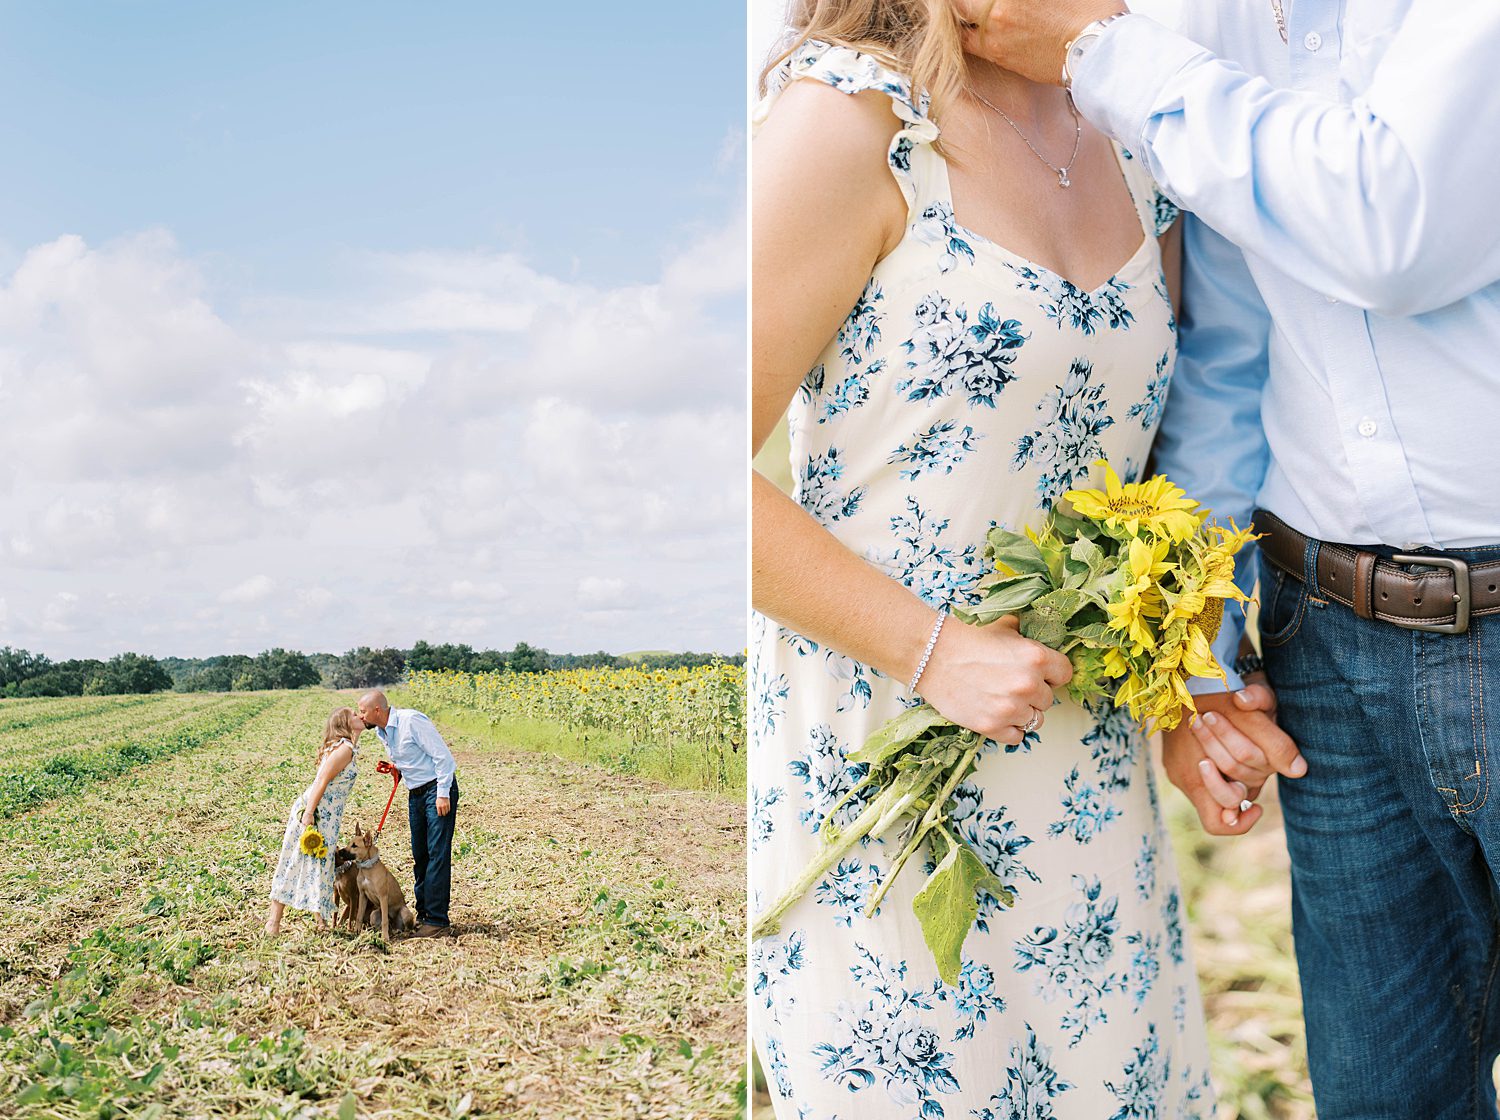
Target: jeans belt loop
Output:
[{"x": 1310, "y": 565}]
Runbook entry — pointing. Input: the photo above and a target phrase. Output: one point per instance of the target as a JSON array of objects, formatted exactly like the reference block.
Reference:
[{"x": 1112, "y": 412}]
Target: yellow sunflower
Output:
[
  {"x": 312, "y": 843},
  {"x": 1162, "y": 508}
]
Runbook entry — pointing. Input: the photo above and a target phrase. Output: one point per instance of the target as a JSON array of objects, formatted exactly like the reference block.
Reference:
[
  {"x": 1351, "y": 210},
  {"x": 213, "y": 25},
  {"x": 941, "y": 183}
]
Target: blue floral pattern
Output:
[{"x": 966, "y": 388}]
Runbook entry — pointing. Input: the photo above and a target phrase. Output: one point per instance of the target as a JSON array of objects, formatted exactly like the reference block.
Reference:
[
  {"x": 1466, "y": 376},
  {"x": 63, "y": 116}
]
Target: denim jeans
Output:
[
  {"x": 432, "y": 851},
  {"x": 1394, "y": 835}
]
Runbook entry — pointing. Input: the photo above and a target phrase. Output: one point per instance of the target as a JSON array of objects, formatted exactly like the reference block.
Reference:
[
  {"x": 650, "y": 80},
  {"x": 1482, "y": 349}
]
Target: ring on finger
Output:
[
  {"x": 1033, "y": 723},
  {"x": 1246, "y": 805}
]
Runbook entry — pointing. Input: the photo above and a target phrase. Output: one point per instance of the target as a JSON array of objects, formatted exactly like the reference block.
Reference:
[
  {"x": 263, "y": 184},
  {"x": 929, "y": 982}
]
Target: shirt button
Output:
[
  {"x": 1312, "y": 40},
  {"x": 1330, "y": 299},
  {"x": 1367, "y": 427}
]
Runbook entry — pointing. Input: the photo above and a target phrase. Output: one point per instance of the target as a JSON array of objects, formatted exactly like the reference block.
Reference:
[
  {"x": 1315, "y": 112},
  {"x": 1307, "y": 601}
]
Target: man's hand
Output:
[
  {"x": 1029, "y": 37},
  {"x": 1228, "y": 755},
  {"x": 442, "y": 806}
]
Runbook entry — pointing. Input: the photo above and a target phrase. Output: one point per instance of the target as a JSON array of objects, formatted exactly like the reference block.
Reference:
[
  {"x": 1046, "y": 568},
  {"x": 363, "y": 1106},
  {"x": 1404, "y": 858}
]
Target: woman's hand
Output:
[{"x": 992, "y": 680}]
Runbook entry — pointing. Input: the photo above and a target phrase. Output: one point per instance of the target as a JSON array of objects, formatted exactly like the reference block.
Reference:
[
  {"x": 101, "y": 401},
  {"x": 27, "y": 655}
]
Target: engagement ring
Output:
[
  {"x": 1032, "y": 723},
  {"x": 1245, "y": 805}
]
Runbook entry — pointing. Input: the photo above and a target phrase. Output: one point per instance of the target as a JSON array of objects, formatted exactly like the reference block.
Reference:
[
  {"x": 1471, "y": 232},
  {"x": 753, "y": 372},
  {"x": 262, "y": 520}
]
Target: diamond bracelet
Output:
[{"x": 942, "y": 616}]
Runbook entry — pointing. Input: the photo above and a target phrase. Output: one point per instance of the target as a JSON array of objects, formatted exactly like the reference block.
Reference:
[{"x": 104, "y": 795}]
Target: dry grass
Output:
[{"x": 598, "y": 969}]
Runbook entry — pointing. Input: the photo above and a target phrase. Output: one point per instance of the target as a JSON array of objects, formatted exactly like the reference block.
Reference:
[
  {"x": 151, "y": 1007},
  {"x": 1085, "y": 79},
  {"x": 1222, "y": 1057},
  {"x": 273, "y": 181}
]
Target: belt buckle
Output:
[{"x": 1460, "y": 570}]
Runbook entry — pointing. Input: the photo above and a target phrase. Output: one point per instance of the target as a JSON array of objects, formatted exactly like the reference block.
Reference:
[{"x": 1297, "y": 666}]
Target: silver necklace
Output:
[
  {"x": 1280, "y": 18},
  {"x": 1061, "y": 172}
]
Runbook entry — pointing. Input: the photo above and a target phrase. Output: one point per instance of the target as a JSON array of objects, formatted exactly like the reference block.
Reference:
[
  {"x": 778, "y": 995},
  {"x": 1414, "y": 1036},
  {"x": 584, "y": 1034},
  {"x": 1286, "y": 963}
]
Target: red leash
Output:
[{"x": 385, "y": 767}]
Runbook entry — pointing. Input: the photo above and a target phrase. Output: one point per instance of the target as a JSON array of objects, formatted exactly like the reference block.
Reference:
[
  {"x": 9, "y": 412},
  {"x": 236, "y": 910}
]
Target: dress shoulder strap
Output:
[
  {"x": 852, "y": 71},
  {"x": 1156, "y": 211}
]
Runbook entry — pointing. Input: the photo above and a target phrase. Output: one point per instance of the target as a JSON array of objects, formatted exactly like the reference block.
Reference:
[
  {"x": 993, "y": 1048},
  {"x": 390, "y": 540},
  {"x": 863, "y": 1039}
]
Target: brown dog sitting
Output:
[
  {"x": 346, "y": 888},
  {"x": 378, "y": 887}
]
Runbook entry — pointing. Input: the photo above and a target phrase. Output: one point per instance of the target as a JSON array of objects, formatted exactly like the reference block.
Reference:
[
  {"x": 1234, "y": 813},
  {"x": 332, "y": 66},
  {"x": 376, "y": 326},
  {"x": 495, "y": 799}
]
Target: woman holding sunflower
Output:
[
  {"x": 963, "y": 300},
  {"x": 304, "y": 873}
]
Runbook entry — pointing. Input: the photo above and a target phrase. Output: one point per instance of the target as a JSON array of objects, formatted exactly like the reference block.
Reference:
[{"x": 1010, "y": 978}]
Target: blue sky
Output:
[
  {"x": 335, "y": 324},
  {"x": 272, "y": 133}
]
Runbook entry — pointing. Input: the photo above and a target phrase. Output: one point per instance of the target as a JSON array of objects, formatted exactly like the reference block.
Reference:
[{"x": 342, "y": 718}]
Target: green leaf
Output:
[
  {"x": 1017, "y": 551},
  {"x": 1047, "y": 620},
  {"x": 348, "y": 1107},
  {"x": 1010, "y": 597},
  {"x": 948, "y": 903},
  {"x": 897, "y": 733}
]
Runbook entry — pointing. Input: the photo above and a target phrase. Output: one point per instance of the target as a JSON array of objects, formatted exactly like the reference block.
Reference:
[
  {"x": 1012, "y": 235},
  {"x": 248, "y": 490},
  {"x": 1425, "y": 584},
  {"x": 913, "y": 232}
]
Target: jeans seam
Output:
[
  {"x": 1476, "y": 707},
  {"x": 1477, "y": 1031}
]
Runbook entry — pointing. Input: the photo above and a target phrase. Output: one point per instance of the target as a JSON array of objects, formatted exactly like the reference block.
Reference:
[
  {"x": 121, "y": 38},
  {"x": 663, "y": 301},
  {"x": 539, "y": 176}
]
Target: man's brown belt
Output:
[{"x": 1441, "y": 600}]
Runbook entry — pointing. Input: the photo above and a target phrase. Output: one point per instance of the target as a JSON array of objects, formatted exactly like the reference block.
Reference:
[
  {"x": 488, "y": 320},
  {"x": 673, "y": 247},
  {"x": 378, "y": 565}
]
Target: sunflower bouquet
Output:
[
  {"x": 1130, "y": 583},
  {"x": 313, "y": 844}
]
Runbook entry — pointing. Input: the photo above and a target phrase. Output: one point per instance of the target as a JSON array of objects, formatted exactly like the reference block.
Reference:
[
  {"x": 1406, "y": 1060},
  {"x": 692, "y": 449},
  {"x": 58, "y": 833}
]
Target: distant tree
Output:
[
  {"x": 65, "y": 678},
  {"x": 488, "y": 661},
  {"x": 131, "y": 672},
  {"x": 365, "y": 668},
  {"x": 19, "y": 665},
  {"x": 282, "y": 668},
  {"x": 527, "y": 659}
]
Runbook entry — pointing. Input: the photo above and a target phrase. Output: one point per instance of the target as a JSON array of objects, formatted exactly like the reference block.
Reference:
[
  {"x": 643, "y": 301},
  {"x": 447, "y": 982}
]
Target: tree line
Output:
[{"x": 23, "y": 673}]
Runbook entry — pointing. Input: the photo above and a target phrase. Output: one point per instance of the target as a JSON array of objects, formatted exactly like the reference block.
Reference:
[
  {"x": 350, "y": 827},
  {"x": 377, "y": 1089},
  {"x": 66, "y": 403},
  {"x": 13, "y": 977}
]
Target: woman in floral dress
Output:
[
  {"x": 305, "y": 882},
  {"x": 938, "y": 380}
]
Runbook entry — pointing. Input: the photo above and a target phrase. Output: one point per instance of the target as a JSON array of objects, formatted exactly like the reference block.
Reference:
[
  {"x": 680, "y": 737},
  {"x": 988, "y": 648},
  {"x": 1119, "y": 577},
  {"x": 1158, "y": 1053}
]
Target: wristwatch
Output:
[
  {"x": 1247, "y": 663},
  {"x": 1082, "y": 43}
]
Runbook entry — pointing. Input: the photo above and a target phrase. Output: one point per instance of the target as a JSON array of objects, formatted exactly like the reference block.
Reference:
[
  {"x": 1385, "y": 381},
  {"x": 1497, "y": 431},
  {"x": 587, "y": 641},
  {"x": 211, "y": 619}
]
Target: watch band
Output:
[
  {"x": 1248, "y": 663},
  {"x": 1079, "y": 45}
]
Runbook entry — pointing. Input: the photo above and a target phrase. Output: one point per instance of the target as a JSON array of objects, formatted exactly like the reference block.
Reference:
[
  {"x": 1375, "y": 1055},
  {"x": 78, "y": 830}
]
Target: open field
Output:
[
  {"x": 684, "y": 726},
  {"x": 597, "y": 969}
]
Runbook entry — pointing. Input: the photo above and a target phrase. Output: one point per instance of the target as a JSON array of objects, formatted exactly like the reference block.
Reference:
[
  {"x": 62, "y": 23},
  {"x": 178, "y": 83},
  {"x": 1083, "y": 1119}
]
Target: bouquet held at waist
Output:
[{"x": 1130, "y": 583}]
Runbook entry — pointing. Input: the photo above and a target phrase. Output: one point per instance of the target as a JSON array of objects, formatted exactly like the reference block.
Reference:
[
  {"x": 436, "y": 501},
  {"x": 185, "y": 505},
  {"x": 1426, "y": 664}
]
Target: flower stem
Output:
[{"x": 889, "y": 806}]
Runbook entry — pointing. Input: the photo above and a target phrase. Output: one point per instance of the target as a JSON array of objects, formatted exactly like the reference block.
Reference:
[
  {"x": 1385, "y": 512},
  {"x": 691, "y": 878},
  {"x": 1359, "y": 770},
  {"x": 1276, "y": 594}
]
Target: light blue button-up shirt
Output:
[
  {"x": 1340, "y": 349},
  {"x": 417, "y": 749}
]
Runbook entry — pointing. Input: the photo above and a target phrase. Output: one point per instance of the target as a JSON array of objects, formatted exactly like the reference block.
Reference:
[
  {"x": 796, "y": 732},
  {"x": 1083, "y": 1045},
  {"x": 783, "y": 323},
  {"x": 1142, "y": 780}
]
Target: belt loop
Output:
[
  {"x": 1363, "y": 595},
  {"x": 1310, "y": 566}
]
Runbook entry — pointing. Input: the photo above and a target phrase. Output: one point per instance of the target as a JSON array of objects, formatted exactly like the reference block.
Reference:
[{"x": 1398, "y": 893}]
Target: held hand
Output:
[
  {"x": 442, "y": 806},
  {"x": 992, "y": 680},
  {"x": 1228, "y": 755},
  {"x": 1029, "y": 37}
]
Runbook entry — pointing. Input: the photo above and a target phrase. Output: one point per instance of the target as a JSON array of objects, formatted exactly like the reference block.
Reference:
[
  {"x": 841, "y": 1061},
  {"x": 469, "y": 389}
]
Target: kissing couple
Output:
[
  {"x": 995, "y": 241},
  {"x": 304, "y": 880}
]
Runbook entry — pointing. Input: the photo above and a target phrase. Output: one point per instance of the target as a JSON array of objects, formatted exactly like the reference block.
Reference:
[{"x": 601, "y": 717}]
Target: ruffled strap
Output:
[
  {"x": 1157, "y": 211},
  {"x": 850, "y": 71}
]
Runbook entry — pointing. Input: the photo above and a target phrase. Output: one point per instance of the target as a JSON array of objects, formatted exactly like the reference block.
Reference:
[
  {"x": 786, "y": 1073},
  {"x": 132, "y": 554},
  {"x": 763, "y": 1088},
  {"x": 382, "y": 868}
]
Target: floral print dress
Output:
[
  {"x": 969, "y": 387},
  {"x": 302, "y": 881}
]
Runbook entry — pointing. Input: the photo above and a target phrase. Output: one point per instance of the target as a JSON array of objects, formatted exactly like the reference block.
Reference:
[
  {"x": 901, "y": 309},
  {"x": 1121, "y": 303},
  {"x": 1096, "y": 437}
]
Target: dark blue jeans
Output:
[
  {"x": 1394, "y": 836},
  {"x": 432, "y": 851}
]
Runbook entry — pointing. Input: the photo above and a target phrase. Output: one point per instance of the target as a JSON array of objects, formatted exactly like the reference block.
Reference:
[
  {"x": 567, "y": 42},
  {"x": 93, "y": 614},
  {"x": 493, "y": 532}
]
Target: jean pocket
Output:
[{"x": 1283, "y": 602}]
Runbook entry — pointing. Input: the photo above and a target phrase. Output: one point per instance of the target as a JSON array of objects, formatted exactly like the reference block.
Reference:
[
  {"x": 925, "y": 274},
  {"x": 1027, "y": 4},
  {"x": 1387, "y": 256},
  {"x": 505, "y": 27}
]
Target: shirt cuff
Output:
[
  {"x": 443, "y": 790},
  {"x": 1118, "y": 83}
]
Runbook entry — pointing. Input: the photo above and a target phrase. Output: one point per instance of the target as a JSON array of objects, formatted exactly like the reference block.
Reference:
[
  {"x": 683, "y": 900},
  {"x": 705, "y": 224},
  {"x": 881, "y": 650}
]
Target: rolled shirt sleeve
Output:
[
  {"x": 425, "y": 736},
  {"x": 1384, "y": 202}
]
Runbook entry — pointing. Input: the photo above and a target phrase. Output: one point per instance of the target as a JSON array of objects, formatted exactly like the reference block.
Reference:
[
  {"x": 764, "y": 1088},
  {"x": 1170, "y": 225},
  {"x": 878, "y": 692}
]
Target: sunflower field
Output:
[{"x": 685, "y": 726}]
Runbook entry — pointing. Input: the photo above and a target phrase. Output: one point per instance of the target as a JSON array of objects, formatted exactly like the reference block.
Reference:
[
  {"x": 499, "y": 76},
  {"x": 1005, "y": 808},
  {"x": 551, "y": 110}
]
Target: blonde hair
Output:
[
  {"x": 920, "y": 39},
  {"x": 335, "y": 731}
]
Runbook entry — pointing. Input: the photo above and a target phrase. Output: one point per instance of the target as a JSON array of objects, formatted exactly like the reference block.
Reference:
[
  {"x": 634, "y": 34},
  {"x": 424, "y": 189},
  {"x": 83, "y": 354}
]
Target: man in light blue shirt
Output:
[
  {"x": 1340, "y": 373},
  {"x": 429, "y": 773}
]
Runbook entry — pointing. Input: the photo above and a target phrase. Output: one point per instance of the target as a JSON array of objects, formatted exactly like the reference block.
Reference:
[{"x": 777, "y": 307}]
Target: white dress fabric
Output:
[
  {"x": 969, "y": 387},
  {"x": 302, "y": 881}
]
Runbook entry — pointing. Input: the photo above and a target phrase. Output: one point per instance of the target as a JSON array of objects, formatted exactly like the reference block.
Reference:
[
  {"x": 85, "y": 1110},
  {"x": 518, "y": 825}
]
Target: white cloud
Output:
[
  {"x": 459, "y": 447},
  {"x": 597, "y": 593},
  {"x": 256, "y": 589}
]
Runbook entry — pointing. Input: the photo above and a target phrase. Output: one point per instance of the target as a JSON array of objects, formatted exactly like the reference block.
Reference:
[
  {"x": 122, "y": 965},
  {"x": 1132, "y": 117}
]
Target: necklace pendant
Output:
[{"x": 1063, "y": 180}]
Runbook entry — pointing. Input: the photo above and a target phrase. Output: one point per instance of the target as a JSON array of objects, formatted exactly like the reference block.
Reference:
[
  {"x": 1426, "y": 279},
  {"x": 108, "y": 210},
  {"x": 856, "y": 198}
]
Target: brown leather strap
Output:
[
  {"x": 1391, "y": 592},
  {"x": 1364, "y": 583}
]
